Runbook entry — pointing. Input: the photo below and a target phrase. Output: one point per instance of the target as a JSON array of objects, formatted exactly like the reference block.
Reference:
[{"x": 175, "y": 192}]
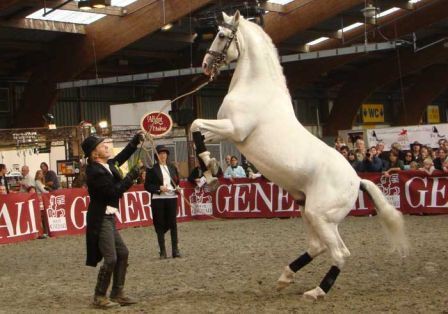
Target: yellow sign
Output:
[
  {"x": 372, "y": 113},
  {"x": 433, "y": 114}
]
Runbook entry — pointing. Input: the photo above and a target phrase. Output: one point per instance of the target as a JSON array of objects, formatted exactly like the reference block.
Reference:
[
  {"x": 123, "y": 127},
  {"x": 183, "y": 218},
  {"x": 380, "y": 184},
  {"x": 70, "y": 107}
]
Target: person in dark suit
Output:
[
  {"x": 162, "y": 182},
  {"x": 3, "y": 180},
  {"x": 106, "y": 186}
]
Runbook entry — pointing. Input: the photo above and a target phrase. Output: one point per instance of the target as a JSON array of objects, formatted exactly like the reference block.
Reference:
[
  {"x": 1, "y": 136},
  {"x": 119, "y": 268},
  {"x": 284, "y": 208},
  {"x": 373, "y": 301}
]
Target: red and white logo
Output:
[
  {"x": 156, "y": 123},
  {"x": 201, "y": 202},
  {"x": 57, "y": 220},
  {"x": 390, "y": 186}
]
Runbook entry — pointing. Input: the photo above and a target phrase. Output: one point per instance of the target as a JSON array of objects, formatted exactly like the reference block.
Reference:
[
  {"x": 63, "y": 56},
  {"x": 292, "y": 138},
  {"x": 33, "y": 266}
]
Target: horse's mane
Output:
[{"x": 271, "y": 50}]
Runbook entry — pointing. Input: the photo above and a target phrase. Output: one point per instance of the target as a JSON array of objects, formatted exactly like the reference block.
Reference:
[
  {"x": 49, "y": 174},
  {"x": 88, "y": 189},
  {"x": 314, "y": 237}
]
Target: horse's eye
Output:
[{"x": 221, "y": 35}]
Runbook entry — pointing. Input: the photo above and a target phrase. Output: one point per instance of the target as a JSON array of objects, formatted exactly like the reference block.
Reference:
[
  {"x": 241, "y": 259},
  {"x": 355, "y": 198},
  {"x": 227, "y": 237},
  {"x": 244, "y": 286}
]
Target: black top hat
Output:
[
  {"x": 90, "y": 143},
  {"x": 162, "y": 148}
]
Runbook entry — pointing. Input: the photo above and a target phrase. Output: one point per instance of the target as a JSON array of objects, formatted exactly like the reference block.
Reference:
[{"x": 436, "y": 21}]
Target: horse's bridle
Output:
[{"x": 220, "y": 57}]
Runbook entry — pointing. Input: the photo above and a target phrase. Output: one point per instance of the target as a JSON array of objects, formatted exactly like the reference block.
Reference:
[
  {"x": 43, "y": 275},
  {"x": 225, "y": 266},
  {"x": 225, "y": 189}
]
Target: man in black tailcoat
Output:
[{"x": 106, "y": 186}]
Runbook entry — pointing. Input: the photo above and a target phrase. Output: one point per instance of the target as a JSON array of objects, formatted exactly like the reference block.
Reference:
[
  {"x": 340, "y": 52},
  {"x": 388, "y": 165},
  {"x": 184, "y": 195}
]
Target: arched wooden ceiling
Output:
[{"x": 44, "y": 58}]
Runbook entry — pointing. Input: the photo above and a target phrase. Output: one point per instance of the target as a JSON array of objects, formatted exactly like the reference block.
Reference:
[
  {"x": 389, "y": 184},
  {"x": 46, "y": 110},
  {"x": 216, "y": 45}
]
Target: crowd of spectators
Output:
[
  {"x": 44, "y": 180},
  {"x": 374, "y": 159}
]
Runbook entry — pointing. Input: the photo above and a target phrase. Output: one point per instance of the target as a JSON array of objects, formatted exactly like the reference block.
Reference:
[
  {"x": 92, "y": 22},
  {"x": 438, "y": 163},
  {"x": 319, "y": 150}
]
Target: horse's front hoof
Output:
[
  {"x": 286, "y": 278},
  {"x": 213, "y": 166},
  {"x": 314, "y": 294}
]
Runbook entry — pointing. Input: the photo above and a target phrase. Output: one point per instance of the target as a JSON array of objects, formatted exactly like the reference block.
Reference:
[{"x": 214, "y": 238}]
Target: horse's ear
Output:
[
  {"x": 236, "y": 17},
  {"x": 225, "y": 17}
]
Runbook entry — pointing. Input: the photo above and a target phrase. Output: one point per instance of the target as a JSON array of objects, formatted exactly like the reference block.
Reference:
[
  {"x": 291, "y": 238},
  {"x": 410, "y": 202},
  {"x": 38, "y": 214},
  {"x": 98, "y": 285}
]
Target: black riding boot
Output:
[
  {"x": 161, "y": 240},
  {"x": 174, "y": 241},
  {"x": 117, "y": 293},
  {"x": 100, "y": 300}
]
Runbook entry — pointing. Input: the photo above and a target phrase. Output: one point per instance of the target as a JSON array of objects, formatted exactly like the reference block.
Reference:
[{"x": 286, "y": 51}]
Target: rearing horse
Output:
[{"x": 258, "y": 117}]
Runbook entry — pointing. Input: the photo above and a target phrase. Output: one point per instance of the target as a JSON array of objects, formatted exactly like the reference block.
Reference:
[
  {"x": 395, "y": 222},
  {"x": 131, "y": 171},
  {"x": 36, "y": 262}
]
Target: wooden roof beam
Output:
[
  {"x": 431, "y": 83},
  {"x": 306, "y": 14},
  {"x": 52, "y": 26},
  {"x": 103, "y": 38},
  {"x": 366, "y": 80},
  {"x": 147, "y": 54}
]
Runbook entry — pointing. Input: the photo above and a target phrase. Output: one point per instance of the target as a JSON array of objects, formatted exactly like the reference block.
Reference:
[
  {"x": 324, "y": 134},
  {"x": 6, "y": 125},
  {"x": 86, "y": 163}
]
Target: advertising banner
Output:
[
  {"x": 406, "y": 135},
  {"x": 412, "y": 192},
  {"x": 20, "y": 218}
]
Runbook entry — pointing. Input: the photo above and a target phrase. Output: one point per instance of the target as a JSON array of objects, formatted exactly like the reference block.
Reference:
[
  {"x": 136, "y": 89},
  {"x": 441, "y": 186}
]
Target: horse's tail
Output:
[{"x": 390, "y": 218}]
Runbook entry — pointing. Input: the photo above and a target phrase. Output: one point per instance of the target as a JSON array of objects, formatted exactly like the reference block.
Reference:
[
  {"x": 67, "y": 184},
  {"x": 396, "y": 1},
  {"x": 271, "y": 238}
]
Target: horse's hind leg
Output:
[
  {"x": 328, "y": 233},
  {"x": 315, "y": 247}
]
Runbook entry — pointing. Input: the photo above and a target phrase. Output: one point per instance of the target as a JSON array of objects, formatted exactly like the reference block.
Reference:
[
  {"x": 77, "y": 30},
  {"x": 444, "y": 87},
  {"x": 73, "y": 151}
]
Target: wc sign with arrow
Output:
[{"x": 372, "y": 113}]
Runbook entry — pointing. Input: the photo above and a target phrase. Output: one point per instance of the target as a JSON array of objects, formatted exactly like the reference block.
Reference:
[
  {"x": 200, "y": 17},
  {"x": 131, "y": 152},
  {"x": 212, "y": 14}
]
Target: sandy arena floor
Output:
[{"x": 231, "y": 266}]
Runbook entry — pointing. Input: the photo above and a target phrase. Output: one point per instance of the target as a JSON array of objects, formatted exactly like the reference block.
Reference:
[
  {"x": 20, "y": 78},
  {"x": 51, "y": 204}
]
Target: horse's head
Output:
[{"x": 224, "y": 48}]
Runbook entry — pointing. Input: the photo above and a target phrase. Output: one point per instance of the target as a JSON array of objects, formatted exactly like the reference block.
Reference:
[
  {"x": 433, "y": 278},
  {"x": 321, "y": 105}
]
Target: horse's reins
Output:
[{"x": 218, "y": 61}]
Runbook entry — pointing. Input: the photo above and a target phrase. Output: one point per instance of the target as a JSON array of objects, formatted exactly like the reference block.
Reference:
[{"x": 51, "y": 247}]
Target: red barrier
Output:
[
  {"x": 65, "y": 210},
  {"x": 19, "y": 217}
]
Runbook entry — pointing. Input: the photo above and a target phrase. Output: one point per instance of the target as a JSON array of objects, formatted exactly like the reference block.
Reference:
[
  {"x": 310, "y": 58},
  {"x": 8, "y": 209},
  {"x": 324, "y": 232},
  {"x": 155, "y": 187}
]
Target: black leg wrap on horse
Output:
[
  {"x": 303, "y": 260},
  {"x": 199, "y": 142},
  {"x": 200, "y": 148},
  {"x": 329, "y": 279}
]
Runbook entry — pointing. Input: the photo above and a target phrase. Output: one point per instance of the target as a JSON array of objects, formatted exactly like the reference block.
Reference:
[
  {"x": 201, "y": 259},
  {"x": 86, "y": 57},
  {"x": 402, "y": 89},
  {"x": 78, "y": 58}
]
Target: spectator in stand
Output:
[
  {"x": 438, "y": 161},
  {"x": 27, "y": 180},
  {"x": 445, "y": 145},
  {"x": 3, "y": 190},
  {"x": 415, "y": 150},
  {"x": 227, "y": 161},
  {"x": 428, "y": 166},
  {"x": 338, "y": 143},
  {"x": 424, "y": 153},
  {"x": 344, "y": 151},
  {"x": 445, "y": 165},
  {"x": 31, "y": 189},
  {"x": 234, "y": 170},
  {"x": 442, "y": 143},
  {"x": 408, "y": 158},
  {"x": 141, "y": 175},
  {"x": 395, "y": 164},
  {"x": 371, "y": 163},
  {"x": 80, "y": 180},
  {"x": 196, "y": 176},
  {"x": 433, "y": 153},
  {"x": 380, "y": 151},
  {"x": 351, "y": 158},
  {"x": 359, "y": 155},
  {"x": 3, "y": 180},
  {"x": 360, "y": 146},
  {"x": 51, "y": 179},
  {"x": 39, "y": 182},
  {"x": 396, "y": 149},
  {"x": 251, "y": 170},
  {"x": 413, "y": 165}
]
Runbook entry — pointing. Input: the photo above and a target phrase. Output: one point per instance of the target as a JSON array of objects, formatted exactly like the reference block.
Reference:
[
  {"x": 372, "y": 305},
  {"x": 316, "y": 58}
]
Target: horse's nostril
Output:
[{"x": 204, "y": 65}]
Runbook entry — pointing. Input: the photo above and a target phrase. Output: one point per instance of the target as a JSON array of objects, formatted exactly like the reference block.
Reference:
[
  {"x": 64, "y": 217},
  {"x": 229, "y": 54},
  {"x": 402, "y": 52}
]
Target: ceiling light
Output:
[
  {"x": 350, "y": 27},
  {"x": 85, "y": 5},
  {"x": 281, "y": 2},
  {"x": 387, "y": 12},
  {"x": 167, "y": 27},
  {"x": 100, "y": 4},
  {"x": 414, "y": 1},
  {"x": 317, "y": 41}
]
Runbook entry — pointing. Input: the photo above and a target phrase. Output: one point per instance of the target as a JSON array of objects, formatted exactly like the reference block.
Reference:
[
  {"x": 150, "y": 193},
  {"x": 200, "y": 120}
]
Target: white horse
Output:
[{"x": 257, "y": 115}]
